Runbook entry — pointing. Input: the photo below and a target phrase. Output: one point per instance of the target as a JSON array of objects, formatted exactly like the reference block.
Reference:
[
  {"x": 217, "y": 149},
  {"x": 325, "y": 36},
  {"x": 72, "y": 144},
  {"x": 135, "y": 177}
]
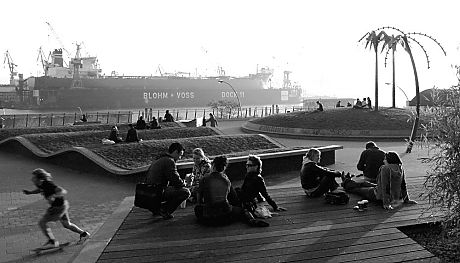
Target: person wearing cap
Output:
[
  {"x": 163, "y": 173},
  {"x": 370, "y": 161},
  {"x": 59, "y": 207}
]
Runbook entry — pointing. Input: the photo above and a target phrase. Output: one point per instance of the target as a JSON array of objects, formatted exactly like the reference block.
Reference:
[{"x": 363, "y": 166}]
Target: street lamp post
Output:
[
  {"x": 237, "y": 97},
  {"x": 389, "y": 83}
]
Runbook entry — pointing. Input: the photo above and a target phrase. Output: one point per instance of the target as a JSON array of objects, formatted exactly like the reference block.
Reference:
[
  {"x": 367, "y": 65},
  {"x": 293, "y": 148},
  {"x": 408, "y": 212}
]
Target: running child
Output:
[{"x": 58, "y": 209}]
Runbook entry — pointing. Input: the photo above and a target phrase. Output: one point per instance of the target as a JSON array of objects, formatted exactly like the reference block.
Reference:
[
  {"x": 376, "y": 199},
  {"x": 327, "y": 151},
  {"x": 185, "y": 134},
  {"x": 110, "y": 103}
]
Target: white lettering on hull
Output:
[
  {"x": 165, "y": 95},
  {"x": 229, "y": 94}
]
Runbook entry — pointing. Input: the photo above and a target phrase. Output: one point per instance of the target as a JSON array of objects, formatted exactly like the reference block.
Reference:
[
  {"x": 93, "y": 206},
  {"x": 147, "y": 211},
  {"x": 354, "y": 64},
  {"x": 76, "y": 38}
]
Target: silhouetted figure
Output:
[
  {"x": 338, "y": 105},
  {"x": 358, "y": 104},
  {"x": 212, "y": 120},
  {"x": 132, "y": 134},
  {"x": 320, "y": 106},
  {"x": 369, "y": 103},
  {"x": 154, "y": 124},
  {"x": 140, "y": 124},
  {"x": 168, "y": 117},
  {"x": 349, "y": 104},
  {"x": 83, "y": 118},
  {"x": 115, "y": 135}
]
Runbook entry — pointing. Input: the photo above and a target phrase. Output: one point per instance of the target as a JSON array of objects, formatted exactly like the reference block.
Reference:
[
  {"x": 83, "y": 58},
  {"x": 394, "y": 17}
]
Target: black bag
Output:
[
  {"x": 337, "y": 198},
  {"x": 148, "y": 196}
]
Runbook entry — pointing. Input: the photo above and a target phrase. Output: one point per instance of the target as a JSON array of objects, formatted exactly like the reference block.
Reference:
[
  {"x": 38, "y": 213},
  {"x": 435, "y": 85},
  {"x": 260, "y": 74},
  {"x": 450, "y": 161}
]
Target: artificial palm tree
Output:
[
  {"x": 403, "y": 39},
  {"x": 372, "y": 40},
  {"x": 392, "y": 45}
]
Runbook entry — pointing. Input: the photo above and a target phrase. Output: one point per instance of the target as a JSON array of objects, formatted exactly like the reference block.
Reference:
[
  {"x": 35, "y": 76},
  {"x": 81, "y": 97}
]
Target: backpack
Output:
[{"x": 337, "y": 198}]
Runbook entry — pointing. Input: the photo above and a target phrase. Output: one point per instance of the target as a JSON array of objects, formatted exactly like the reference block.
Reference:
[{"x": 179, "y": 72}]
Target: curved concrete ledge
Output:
[
  {"x": 326, "y": 133},
  {"x": 82, "y": 159}
]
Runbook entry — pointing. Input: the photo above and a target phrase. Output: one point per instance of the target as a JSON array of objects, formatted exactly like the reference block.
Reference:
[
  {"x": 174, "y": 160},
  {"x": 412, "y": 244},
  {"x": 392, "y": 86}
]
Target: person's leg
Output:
[
  {"x": 43, "y": 223},
  {"x": 174, "y": 197},
  {"x": 65, "y": 221},
  {"x": 326, "y": 184}
]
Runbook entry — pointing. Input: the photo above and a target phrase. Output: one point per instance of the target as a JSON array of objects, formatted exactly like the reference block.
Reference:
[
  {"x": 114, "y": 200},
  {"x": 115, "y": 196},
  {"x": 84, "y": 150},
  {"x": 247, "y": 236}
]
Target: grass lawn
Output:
[
  {"x": 52, "y": 142},
  {"x": 344, "y": 118},
  {"x": 134, "y": 155}
]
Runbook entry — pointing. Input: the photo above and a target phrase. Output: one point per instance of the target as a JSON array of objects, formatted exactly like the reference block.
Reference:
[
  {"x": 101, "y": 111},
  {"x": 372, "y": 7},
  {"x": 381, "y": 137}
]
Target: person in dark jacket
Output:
[
  {"x": 154, "y": 124},
  {"x": 168, "y": 117},
  {"x": 317, "y": 180},
  {"x": 320, "y": 106},
  {"x": 254, "y": 185},
  {"x": 370, "y": 161},
  {"x": 115, "y": 135},
  {"x": 132, "y": 135},
  {"x": 163, "y": 173},
  {"x": 140, "y": 124}
]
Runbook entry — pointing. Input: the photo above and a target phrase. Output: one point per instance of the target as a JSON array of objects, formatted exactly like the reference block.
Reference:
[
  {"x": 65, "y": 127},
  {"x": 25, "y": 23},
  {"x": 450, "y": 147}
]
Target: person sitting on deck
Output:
[
  {"x": 370, "y": 161},
  {"x": 254, "y": 185},
  {"x": 140, "y": 124},
  {"x": 132, "y": 135},
  {"x": 115, "y": 135},
  {"x": 390, "y": 190},
  {"x": 218, "y": 202},
  {"x": 201, "y": 167},
  {"x": 317, "y": 180},
  {"x": 168, "y": 117}
]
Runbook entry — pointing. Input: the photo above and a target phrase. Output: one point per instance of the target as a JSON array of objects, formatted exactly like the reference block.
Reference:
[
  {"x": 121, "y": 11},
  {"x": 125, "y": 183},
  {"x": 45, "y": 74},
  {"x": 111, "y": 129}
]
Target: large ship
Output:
[{"x": 81, "y": 84}]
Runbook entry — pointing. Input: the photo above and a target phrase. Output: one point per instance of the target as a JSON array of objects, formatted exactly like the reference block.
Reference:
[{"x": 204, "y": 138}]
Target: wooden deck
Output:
[{"x": 310, "y": 231}]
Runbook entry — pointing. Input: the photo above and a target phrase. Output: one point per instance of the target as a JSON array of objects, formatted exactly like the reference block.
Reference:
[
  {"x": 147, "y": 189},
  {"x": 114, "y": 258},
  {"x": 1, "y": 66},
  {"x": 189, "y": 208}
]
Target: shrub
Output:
[{"x": 442, "y": 137}]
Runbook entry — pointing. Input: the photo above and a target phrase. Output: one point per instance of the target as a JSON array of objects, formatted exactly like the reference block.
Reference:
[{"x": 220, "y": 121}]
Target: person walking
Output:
[{"x": 58, "y": 210}]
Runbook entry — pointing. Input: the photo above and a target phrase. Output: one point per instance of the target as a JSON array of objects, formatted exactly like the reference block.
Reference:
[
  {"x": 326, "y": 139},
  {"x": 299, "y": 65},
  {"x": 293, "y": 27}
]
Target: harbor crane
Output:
[
  {"x": 45, "y": 62},
  {"x": 8, "y": 59},
  {"x": 59, "y": 41}
]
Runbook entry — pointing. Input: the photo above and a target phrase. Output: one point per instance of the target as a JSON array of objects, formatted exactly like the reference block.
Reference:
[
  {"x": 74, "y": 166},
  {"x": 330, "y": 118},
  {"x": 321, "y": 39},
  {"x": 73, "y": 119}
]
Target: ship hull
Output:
[{"x": 113, "y": 93}]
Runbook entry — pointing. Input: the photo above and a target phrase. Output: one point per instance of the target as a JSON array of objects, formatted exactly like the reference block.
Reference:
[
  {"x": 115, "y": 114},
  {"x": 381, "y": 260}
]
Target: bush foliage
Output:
[{"x": 443, "y": 138}]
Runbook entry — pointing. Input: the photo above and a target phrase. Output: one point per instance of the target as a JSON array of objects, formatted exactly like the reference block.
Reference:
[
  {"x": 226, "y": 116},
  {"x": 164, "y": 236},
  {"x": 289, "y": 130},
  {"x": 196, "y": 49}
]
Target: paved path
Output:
[{"x": 93, "y": 198}]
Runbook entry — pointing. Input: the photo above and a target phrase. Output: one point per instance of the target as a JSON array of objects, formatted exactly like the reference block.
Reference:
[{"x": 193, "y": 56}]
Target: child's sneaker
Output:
[
  {"x": 50, "y": 244},
  {"x": 83, "y": 236}
]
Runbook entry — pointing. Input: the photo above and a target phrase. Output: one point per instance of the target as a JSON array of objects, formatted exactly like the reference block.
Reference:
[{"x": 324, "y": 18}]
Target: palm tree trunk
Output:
[
  {"x": 394, "y": 80},
  {"x": 417, "y": 98},
  {"x": 376, "y": 81}
]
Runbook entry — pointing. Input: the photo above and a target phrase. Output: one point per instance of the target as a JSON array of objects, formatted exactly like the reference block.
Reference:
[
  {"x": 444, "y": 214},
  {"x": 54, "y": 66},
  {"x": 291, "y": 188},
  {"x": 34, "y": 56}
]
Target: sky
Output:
[{"x": 316, "y": 40}]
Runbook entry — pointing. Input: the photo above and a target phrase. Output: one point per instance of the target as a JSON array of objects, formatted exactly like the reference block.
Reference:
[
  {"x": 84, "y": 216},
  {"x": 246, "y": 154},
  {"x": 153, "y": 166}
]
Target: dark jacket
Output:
[
  {"x": 253, "y": 185},
  {"x": 168, "y": 117},
  {"x": 216, "y": 190},
  {"x": 163, "y": 171},
  {"x": 141, "y": 125},
  {"x": 132, "y": 135},
  {"x": 311, "y": 174},
  {"x": 370, "y": 161},
  {"x": 115, "y": 136}
]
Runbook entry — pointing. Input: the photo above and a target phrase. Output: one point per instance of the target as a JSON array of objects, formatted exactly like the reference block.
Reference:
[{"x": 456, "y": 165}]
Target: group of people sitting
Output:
[
  {"x": 365, "y": 103},
  {"x": 131, "y": 135},
  {"x": 142, "y": 125},
  {"x": 217, "y": 201},
  {"x": 384, "y": 179}
]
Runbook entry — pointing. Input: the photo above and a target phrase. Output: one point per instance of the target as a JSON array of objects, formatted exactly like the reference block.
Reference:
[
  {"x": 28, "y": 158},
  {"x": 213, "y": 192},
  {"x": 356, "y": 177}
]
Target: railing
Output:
[{"x": 117, "y": 117}]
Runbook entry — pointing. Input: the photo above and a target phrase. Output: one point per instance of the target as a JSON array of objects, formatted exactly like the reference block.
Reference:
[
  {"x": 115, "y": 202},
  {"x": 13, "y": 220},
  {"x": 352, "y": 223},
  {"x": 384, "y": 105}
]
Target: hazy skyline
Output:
[{"x": 317, "y": 40}]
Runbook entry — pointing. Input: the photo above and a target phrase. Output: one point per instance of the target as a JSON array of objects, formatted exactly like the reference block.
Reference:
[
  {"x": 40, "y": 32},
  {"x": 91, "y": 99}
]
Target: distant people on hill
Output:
[
  {"x": 364, "y": 103},
  {"x": 320, "y": 106},
  {"x": 212, "y": 120},
  {"x": 132, "y": 135},
  {"x": 370, "y": 161},
  {"x": 203, "y": 122},
  {"x": 83, "y": 118},
  {"x": 390, "y": 189},
  {"x": 358, "y": 104},
  {"x": 140, "y": 124},
  {"x": 317, "y": 180},
  {"x": 115, "y": 135},
  {"x": 154, "y": 124},
  {"x": 369, "y": 103},
  {"x": 163, "y": 173},
  {"x": 168, "y": 117},
  {"x": 338, "y": 104},
  {"x": 349, "y": 104}
]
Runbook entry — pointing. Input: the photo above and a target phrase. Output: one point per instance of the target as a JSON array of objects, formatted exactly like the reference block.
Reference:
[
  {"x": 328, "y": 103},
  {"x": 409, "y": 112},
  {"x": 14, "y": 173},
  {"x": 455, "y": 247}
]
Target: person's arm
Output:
[
  {"x": 404, "y": 192},
  {"x": 173, "y": 175},
  {"x": 324, "y": 171},
  {"x": 35, "y": 191},
  {"x": 263, "y": 190},
  {"x": 361, "y": 162}
]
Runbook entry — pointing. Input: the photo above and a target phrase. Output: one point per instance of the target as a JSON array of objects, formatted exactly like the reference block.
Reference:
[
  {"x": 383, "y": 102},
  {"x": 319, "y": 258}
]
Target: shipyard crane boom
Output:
[
  {"x": 45, "y": 62},
  {"x": 8, "y": 59},
  {"x": 59, "y": 40}
]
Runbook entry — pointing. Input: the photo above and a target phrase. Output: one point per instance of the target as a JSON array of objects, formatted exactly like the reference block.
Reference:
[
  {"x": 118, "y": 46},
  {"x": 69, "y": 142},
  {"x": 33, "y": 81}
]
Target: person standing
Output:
[
  {"x": 168, "y": 117},
  {"x": 370, "y": 161},
  {"x": 58, "y": 210},
  {"x": 212, "y": 120},
  {"x": 163, "y": 173}
]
